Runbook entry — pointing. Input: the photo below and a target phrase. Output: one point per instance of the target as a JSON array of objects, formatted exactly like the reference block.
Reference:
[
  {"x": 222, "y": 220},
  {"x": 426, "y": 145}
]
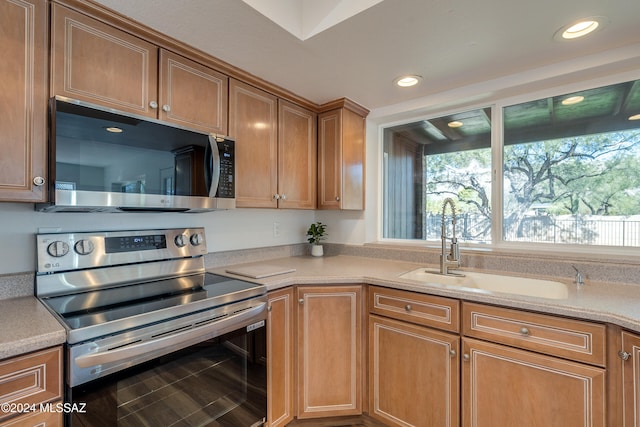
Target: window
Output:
[
  {"x": 431, "y": 160},
  {"x": 572, "y": 168},
  {"x": 571, "y": 172}
]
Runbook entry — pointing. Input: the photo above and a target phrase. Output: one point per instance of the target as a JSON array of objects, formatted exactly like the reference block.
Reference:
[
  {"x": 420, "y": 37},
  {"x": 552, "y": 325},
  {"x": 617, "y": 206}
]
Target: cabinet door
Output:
[
  {"x": 94, "y": 62},
  {"x": 192, "y": 95},
  {"x": 253, "y": 123},
  {"x": 329, "y": 334},
  {"x": 296, "y": 156},
  {"x": 23, "y": 94},
  {"x": 341, "y": 160},
  {"x": 280, "y": 358},
  {"x": 631, "y": 378},
  {"x": 413, "y": 374},
  {"x": 503, "y": 386}
]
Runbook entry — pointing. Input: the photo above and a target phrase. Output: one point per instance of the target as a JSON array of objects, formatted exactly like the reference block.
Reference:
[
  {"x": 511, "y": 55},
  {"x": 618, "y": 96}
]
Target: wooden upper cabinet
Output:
[
  {"x": 275, "y": 149},
  {"x": 192, "y": 95},
  {"x": 341, "y": 156},
  {"x": 23, "y": 95},
  {"x": 296, "y": 156},
  {"x": 94, "y": 62},
  {"x": 253, "y": 123}
]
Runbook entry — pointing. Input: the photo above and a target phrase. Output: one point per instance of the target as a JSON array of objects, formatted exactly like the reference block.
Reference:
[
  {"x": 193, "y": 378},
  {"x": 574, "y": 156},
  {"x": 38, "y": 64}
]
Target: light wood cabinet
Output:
[
  {"x": 192, "y": 95},
  {"x": 341, "y": 156},
  {"x": 31, "y": 379},
  {"x": 505, "y": 385},
  {"x": 23, "y": 95},
  {"x": 280, "y": 369},
  {"x": 414, "y": 374},
  {"x": 95, "y": 62},
  {"x": 329, "y": 350},
  {"x": 630, "y": 356},
  {"x": 275, "y": 149}
]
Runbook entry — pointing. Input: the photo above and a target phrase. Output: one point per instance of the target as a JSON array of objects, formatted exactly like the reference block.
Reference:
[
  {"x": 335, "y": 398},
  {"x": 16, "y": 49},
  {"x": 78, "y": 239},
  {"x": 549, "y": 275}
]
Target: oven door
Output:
[{"x": 217, "y": 382}]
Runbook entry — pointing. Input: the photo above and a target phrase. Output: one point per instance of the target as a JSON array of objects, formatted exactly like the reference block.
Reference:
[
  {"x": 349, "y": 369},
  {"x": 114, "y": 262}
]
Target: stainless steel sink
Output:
[{"x": 491, "y": 283}]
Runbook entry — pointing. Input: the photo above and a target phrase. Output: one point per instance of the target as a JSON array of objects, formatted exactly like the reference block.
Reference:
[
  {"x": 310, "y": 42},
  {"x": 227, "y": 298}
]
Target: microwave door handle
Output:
[{"x": 213, "y": 166}]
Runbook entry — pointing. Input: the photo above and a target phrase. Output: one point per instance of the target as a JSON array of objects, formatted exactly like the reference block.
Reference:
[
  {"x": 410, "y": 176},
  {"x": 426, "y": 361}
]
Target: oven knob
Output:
[
  {"x": 83, "y": 247},
  {"x": 197, "y": 239},
  {"x": 58, "y": 249},
  {"x": 181, "y": 240}
]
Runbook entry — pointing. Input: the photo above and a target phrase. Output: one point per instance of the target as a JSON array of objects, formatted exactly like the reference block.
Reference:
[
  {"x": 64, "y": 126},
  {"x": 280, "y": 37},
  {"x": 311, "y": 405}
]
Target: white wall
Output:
[{"x": 226, "y": 230}]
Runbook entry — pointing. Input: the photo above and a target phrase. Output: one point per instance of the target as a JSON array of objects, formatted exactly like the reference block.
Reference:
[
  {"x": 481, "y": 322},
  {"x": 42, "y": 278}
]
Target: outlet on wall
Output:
[{"x": 276, "y": 229}]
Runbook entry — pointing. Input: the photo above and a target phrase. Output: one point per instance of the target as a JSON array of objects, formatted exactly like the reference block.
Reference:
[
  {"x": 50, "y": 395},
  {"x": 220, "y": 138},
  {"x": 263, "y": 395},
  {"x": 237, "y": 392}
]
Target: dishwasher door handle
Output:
[{"x": 172, "y": 342}]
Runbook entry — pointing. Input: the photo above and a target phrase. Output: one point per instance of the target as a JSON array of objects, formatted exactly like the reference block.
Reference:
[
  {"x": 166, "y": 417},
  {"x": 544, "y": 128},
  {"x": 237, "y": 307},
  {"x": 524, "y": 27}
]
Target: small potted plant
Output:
[{"x": 315, "y": 235}]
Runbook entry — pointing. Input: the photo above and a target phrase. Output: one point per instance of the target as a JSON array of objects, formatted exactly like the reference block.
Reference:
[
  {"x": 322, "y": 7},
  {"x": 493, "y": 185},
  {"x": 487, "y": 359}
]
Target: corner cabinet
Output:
[
  {"x": 280, "y": 371},
  {"x": 97, "y": 63},
  {"x": 275, "y": 149},
  {"x": 341, "y": 156},
  {"x": 329, "y": 348},
  {"x": 23, "y": 95}
]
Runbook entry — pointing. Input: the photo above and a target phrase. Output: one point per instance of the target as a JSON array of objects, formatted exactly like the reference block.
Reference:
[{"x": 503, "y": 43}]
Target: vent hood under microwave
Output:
[{"x": 102, "y": 160}]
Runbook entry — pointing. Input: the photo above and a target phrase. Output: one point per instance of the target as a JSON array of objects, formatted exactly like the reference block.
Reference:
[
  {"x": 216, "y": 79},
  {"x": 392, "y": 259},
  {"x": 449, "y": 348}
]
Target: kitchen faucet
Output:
[{"x": 451, "y": 259}]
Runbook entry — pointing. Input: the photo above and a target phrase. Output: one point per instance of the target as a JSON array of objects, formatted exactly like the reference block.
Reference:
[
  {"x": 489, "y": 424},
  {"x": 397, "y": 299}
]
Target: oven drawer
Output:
[
  {"x": 428, "y": 310},
  {"x": 556, "y": 336},
  {"x": 31, "y": 379}
]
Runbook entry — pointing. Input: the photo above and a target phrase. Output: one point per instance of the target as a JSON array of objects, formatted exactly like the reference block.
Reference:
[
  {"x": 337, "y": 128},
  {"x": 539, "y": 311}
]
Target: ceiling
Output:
[{"x": 450, "y": 43}]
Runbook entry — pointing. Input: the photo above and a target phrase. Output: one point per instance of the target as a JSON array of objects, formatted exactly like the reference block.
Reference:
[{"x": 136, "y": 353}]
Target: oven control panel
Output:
[{"x": 76, "y": 251}]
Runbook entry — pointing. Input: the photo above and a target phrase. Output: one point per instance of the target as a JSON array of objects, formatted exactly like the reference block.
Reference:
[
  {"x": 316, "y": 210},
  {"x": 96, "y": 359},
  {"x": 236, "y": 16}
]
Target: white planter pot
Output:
[{"x": 317, "y": 250}]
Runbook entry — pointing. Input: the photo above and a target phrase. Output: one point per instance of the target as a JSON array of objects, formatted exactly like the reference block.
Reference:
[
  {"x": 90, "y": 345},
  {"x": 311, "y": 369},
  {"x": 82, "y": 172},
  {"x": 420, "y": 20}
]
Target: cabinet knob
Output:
[
  {"x": 283, "y": 197},
  {"x": 407, "y": 307},
  {"x": 153, "y": 105},
  {"x": 466, "y": 357},
  {"x": 452, "y": 353},
  {"x": 269, "y": 308},
  {"x": 39, "y": 181},
  {"x": 624, "y": 355},
  {"x": 166, "y": 108},
  {"x": 276, "y": 197},
  {"x": 524, "y": 331},
  {"x": 337, "y": 198},
  {"x": 301, "y": 300}
]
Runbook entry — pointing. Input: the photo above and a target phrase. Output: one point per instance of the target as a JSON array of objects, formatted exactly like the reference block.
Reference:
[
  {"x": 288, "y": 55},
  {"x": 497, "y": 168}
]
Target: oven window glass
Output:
[{"x": 219, "y": 382}]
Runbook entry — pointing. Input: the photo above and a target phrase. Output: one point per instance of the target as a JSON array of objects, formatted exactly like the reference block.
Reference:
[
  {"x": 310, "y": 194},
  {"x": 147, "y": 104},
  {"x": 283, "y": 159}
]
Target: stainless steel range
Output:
[{"x": 152, "y": 338}]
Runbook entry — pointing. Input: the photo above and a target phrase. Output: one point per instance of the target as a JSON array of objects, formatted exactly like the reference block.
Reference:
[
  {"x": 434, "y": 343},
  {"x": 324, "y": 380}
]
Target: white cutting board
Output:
[{"x": 260, "y": 271}]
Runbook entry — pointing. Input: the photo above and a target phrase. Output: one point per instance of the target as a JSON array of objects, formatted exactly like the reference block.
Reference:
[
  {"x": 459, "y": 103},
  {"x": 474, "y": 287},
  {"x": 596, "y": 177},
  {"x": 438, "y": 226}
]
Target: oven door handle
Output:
[{"x": 170, "y": 343}]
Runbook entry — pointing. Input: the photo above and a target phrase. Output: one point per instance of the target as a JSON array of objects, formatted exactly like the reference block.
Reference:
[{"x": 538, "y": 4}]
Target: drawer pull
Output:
[
  {"x": 624, "y": 355},
  {"x": 524, "y": 331},
  {"x": 407, "y": 307}
]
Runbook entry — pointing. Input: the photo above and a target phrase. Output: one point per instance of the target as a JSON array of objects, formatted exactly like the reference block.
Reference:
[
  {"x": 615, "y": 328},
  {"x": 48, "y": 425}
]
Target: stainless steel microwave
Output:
[{"x": 102, "y": 160}]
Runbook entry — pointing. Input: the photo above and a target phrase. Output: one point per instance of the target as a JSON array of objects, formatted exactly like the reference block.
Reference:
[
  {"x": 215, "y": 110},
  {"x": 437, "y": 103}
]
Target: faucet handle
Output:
[{"x": 579, "y": 280}]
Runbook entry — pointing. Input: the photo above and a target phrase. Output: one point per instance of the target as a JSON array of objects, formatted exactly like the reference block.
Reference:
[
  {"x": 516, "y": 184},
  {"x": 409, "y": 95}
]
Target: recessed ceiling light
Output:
[
  {"x": 455, "y": 124},
  {"x": 635, "y": 117},
  {"x": 572, "y": 100},
  {"x": 580, "y": 28},
  {"x": 113, "y": 129},
  {"x": 407, "y": 81}
]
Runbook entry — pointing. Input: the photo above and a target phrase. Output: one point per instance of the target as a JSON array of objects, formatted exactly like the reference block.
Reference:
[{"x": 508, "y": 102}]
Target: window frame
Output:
[{"x": 497, "y": 145}]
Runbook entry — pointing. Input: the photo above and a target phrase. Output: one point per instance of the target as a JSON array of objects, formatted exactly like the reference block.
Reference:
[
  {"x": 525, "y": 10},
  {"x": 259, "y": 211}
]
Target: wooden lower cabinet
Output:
[
  {"x": 280, "y": 387},
  {"x": 503, "y": 386},
  {"x": 329, "y": 350},
  {"x": 630, "y": 355},
  {"x": 414, "y": 374}
]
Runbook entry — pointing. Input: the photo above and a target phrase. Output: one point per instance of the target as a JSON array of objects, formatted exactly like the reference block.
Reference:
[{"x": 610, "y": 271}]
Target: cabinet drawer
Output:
[
  {"x": 31, "y": 378},
  {"x": 571, "y": 339},
  {"x": 428, "y": 310}
]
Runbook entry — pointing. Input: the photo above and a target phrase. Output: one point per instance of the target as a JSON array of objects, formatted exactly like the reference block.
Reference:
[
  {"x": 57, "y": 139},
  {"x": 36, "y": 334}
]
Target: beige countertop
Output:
[
  {"x": 603, "y": 302},
  {"x": 26, "y": 326}
]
